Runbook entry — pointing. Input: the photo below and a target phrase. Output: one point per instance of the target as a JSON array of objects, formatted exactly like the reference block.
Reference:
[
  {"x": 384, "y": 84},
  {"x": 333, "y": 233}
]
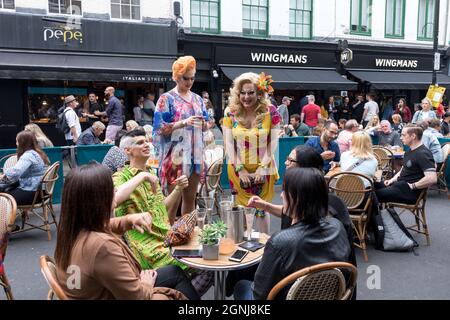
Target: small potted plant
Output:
[{"x": 209, "y": 238}]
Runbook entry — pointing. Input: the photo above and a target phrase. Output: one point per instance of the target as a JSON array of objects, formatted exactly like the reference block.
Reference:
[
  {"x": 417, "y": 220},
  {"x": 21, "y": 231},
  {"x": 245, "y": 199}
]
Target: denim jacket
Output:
[{"x": 28, "y": 170}]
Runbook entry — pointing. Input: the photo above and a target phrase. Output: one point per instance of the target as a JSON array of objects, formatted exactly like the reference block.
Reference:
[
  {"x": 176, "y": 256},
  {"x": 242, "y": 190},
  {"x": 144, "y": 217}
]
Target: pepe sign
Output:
[{"x": 63, "y": 34}]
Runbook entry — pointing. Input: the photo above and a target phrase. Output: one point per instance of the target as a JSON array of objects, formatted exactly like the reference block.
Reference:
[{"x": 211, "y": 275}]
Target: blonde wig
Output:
[{"x": 235, "y": 106}]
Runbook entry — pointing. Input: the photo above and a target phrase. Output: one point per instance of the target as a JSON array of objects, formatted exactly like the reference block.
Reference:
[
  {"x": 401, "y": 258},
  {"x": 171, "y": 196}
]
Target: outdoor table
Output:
[
  {"x": 377, "y": 177},
  {"x": 223, "y": 265}
]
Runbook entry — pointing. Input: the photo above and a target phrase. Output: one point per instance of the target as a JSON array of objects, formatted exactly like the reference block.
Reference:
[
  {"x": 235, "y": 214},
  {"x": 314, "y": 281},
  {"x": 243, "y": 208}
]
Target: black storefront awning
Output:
[
  {"x": 400, "y": 80},
  {"x": 93, "y": 67},
  {"x": 297, "y": 79}
]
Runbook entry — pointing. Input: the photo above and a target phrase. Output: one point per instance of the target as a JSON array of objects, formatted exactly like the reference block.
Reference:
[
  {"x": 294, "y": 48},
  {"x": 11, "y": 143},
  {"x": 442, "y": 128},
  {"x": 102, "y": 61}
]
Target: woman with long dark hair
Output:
[
  {"x": 28, "y": 170},
  {"x": 89, "y": 246},
  {"x": 312, "y": 238}
]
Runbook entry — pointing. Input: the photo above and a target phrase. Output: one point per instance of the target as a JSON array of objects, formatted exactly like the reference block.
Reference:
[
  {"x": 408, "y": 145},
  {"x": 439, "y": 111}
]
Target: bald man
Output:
[{"x": 114, "y": 113}]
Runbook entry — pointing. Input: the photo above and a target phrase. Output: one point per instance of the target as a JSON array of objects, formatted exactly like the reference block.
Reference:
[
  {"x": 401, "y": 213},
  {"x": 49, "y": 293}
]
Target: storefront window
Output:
[
  {"x": 44, "y": 102},
  {"x": 71, "y": 7},
  {"x": 255, "y": 17},
  {"x": 395, "y": 18},
  {"x": 7, "y": 4},
  {"x": 426, "y": 20},
  {"x": 300, "y": 19},
  {"x": 361, "y": 17},
  {"x": 205, "y": 15},
  {"x": 126, "y": 9}
]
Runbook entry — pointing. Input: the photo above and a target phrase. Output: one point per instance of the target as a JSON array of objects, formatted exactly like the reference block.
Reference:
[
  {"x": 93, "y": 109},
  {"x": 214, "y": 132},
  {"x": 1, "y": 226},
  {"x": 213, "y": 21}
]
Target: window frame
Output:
[
  {"x": 125, "y": 19},
  {"x": 199, "y": 29},
  {"x": 295, "y": 23},
  {"x": 395, "y": 36},
  {"x": 419, "y": 37},
  {"x": 7, "y": 9},
  {"x": 266, "y": 35},
  {"x": 65, "y": 13},
  {"x": 358, "y": 32}
]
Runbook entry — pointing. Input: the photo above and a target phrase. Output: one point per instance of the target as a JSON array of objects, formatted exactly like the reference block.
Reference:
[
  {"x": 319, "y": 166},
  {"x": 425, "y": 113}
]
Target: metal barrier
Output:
[{"x": 77, "y": 156}]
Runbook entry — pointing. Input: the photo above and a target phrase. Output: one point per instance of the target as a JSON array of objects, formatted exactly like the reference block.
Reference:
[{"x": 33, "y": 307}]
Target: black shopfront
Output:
[
  {"x": 394, "y": 72},
  {"x": 300, "y": 67},
  {"x": 296, "y": 67},
  {"x": 43, "y": 59}
]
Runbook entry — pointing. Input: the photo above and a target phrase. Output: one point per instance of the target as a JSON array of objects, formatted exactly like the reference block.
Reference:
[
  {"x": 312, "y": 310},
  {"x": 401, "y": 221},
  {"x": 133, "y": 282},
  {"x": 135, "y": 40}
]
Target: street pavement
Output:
[{"x": 402, "y": 275}]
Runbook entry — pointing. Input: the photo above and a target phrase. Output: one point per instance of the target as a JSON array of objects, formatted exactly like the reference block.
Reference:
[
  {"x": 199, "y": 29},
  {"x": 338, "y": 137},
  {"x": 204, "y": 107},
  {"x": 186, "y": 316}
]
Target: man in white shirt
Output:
[
  {"x": 370, "y": 109},
  {"x": 72, "y": 120}
]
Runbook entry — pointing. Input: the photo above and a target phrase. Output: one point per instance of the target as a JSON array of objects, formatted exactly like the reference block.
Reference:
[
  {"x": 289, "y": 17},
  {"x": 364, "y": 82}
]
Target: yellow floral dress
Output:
[{"x": 250, "y": 145}]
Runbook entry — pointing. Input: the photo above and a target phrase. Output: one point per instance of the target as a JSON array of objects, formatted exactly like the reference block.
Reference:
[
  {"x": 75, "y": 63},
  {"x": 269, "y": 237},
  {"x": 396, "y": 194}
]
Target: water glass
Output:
[
  {"x": 201, "y": 215},
  {"x": 249, "y": 217}
]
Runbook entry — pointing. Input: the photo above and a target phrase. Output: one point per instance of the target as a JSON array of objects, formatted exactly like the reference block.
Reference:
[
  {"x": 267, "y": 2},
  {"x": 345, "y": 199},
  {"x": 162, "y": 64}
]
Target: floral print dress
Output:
[
  {"x": 181, "y": 152},
  {"x": 250, "y": 156}
]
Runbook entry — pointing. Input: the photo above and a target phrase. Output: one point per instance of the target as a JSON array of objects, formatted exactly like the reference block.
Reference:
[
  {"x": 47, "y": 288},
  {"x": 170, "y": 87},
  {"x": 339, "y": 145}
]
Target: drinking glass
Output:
[
  {"x": 208, "y": 204},
  {"x": 201, "y": 215},
  {"x": 249, "y": 217}
]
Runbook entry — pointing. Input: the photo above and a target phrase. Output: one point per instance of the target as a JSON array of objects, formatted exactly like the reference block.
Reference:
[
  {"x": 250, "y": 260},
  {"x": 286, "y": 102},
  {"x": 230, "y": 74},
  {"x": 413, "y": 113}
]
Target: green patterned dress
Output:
[{"x": 148, "y": 248}]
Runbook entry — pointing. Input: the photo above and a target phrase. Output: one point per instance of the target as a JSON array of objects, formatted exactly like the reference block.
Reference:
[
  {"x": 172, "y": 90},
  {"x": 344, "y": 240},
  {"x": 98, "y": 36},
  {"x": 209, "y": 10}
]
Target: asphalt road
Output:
[{"x": 387, "y": 275}]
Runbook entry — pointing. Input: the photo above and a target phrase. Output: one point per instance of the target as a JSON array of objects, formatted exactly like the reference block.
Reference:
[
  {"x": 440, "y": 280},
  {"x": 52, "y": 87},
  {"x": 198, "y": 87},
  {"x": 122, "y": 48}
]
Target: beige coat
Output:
[{"x": 107, "y": 269}]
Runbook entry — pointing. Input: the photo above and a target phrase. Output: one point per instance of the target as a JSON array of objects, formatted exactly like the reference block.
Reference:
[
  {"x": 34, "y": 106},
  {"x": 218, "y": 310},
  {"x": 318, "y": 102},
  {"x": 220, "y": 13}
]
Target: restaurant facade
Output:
[
  {"x": 43, "y": 59},
  {"x": 326, "y": 68}
]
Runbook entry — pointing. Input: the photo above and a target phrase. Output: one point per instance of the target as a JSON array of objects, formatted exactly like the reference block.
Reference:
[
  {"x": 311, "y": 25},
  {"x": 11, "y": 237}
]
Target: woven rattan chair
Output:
[
  {"x": 7, "y": 217},
  {"x": 418, "y": 210},
  {"x": 350, "y": 187},
  {"x": 441, "y": 185},
  {"x": 43, "y": 199},
  {"x": 212, "y": 181},
  {"x": 385, "y": 159},
  {"x": 323, "y": 281},
  {"x": 8, "y": 161},
  {"x": 48, "y": 269}
]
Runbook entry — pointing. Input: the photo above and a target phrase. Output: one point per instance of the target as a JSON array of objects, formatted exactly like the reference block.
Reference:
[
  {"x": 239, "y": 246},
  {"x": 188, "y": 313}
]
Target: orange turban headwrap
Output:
[{"x": 182, "y": 65}]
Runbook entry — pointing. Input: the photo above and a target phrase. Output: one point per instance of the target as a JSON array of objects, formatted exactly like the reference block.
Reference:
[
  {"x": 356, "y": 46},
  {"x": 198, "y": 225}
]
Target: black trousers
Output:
[
  {"x": 23, "y": 197},
  {"x": 175, "y": 278},
  {"x": 397, "y": 192}
]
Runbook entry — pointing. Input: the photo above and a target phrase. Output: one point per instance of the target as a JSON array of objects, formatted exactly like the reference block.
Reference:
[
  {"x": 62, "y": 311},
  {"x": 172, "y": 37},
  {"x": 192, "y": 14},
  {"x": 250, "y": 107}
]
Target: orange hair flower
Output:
[{"x": 264, "y": 83}]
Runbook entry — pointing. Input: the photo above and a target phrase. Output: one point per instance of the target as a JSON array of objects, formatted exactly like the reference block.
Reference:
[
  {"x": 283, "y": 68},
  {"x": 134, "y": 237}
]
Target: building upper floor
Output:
[{"x": 390, "y": 22}]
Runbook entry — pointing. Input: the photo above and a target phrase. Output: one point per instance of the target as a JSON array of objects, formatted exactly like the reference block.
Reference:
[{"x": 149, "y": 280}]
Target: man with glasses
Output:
[
  {"x": 326, "y": 146},
  {"x": 114, "y": 113}
]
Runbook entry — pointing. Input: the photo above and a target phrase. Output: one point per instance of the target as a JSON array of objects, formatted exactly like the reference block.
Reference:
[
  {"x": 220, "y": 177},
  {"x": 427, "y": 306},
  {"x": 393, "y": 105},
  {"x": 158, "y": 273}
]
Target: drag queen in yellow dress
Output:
[{"x": 250, "y": 127}]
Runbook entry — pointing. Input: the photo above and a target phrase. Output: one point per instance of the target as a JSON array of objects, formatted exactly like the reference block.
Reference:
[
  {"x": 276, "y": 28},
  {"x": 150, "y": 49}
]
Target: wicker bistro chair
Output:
[
  {"x": 43, "y": 199},
  {"x": 441, "y": 185},
  {"x": 385, "y": 159},
  {"x": 48, "y": 269},
  {"x": 350, "y": 187},
  {"x": 418, "y": 210},
  {"x": 323, "y": 281},
  {"x": 8, "y": 161},
  {"x": 212, "y": 181},
  {"x": 7, "y": 216}
]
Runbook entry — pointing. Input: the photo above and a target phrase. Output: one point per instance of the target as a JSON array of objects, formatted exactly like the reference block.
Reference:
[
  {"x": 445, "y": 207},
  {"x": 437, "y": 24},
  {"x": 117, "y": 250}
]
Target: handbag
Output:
[
  {"x": 181, "y": 231},
  {"x": 391, "y": 234},
  {"x": 252, "y": 182},
  {"x": 6, "y": 185}
]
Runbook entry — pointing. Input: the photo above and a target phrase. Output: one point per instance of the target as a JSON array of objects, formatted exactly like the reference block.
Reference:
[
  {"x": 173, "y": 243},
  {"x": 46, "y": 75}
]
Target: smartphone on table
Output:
[
  {"x": 238, "y": 255},
  {"x": 179, "y": 253}
]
